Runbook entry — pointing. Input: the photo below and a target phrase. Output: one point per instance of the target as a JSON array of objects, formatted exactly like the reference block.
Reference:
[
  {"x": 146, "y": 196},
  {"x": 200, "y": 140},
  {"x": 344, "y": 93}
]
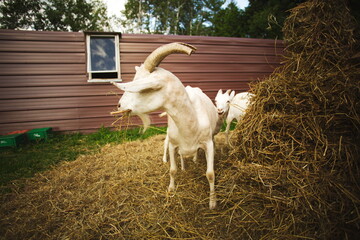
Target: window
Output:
[{"x": 103, "y": 57}]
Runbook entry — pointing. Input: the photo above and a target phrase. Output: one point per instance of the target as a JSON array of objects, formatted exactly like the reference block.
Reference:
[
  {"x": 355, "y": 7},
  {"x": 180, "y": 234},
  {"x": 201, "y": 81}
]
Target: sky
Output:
[{"x": 115, "y": 6}]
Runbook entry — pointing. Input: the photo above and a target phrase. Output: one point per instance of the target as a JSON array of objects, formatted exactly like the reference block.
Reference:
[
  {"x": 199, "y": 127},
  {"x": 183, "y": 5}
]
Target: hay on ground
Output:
[{"x": 118, "y": 193}]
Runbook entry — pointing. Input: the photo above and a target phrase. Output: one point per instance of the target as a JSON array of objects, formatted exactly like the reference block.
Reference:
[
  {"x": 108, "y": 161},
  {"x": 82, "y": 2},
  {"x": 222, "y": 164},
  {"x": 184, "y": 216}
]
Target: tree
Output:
[
  {"x": 55, "y": 15},
  {"x": 20, "y": 14},
  {"x": 135, "y": 16},
  {"x": 265, "y": 18},
  {"x": 183, "y": 17},
  {"x": 261, "y": 19},
  {"x": 229, "y": 22}
]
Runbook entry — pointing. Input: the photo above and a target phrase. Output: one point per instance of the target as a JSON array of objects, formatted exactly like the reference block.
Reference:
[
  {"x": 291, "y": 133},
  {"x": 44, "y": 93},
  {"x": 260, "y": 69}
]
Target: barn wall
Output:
[{"x": 43, "y": 80}]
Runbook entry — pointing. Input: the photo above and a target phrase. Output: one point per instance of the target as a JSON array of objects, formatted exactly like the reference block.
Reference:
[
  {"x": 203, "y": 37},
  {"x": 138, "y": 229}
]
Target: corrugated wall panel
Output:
[
  {"x": 57, "y": 103},
  {"x": 204, "y": 58},
  {"x": 209, "y": 68},
  {"x": 42, "y": 69},
  {"x": 41, "y": 36},
  {"x": 57, "y": 91},
  {"x": 204, "y": 49},
  {"x": 43, "y": 78},
  {"x": 22, "y": 57},
  {"x": 41, "y": 46},
  {"x": 188, "y": 78},
  {"x": 154, "y": 38}
]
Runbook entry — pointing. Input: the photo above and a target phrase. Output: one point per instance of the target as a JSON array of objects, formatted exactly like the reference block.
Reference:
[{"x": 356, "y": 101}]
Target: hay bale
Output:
[{"x": 304, "y": 124}]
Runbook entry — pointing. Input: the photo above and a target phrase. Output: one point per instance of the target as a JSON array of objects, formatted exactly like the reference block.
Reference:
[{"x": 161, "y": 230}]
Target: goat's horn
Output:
[{"x": 155, "y": 58}]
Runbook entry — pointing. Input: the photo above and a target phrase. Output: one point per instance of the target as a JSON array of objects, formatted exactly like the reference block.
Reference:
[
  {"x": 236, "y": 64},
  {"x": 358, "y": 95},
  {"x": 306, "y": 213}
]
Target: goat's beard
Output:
[{"x": 146, "y": 121}]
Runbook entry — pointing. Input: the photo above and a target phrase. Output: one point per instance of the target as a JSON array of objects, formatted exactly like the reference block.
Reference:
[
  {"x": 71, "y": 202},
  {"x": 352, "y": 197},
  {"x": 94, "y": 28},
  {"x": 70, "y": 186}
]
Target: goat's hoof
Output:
[
  {"x": 212, "y": 205},
  {"x": 171, "y": 189}
]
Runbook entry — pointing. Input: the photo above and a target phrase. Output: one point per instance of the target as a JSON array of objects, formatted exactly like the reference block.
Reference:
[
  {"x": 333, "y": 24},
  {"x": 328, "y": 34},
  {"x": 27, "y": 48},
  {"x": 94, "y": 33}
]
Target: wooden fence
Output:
[{"x": 43, "y": 77}]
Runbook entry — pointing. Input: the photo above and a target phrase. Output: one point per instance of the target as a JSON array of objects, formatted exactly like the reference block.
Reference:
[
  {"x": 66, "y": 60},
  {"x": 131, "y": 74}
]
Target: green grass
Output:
[
  {"x": 30, "y": 158},
  {"x": 232, "y": 126}
]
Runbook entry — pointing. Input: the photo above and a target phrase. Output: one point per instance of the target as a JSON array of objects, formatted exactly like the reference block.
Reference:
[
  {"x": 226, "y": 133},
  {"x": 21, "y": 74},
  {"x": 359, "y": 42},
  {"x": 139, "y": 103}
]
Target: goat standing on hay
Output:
[
  {"x": 232, "y": 106},
  {"x": 192, "y": 117},
  {"x": 190, "y": 91}
]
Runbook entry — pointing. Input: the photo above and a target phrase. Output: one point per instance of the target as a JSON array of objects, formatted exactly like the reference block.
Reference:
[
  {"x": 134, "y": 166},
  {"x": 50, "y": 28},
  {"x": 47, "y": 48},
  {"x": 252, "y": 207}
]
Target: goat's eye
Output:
[{"x": 228, "y": 101}]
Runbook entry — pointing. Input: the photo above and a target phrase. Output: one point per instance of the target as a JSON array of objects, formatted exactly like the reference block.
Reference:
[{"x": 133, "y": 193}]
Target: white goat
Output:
[
  {"x": 190, "y": 91},
  {"x": 232, "y": 106},
  {"x": 192, "y": 117}
]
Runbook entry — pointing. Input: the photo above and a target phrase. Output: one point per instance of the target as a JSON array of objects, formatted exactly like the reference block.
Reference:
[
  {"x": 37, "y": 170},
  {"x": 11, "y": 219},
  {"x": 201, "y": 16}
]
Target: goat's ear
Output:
[
  {"x": 137, "y": 68},
  {"x": 140, "y": 86},
  {"x": 219, "y": 92},
  {"x": 232, "y": 94}
]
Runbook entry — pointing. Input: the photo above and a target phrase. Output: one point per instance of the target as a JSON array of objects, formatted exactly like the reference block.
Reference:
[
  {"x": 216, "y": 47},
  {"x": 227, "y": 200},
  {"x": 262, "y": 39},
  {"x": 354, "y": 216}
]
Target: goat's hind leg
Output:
[
  {"x": 173, "y": 167},
  {"x": 182, "y": 162},
  {"x": 210, "y": 173},
  {"x": 166, "y": 146},
  {"x": 195, "y": 156}
]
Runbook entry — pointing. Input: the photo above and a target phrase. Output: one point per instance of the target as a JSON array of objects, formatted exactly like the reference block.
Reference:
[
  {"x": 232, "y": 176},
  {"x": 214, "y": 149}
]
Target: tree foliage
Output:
[
  {"x": 229, "y": 22},
  {"x": 185, "y": 17},
  {"x": 261, "y": 19},
  {"x": 54, "y": 15},
  {"x": 265, "y": 18}
]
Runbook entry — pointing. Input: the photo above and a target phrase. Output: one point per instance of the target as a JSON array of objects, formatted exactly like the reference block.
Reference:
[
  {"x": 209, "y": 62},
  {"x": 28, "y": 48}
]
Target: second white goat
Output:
[{"x": 231, "y": 106}]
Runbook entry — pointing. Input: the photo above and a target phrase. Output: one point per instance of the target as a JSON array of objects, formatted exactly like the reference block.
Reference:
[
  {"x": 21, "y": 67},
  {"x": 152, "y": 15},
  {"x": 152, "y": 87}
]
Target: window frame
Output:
[{"x": 117, "y": 70}]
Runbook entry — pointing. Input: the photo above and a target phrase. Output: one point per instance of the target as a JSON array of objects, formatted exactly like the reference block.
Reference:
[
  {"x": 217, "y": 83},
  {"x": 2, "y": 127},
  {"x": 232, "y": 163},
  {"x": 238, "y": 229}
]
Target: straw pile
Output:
[
  {"x": 294, "y": 172},
  {"x": 119, "y": 193},
  {"x": 304, "y": 128}
]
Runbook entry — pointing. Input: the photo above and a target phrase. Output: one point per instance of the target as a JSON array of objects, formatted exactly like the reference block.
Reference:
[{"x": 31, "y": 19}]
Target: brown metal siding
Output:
[{"x": 43, "y": 75}]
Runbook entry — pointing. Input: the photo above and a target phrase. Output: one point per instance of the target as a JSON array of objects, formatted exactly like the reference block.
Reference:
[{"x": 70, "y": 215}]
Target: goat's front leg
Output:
[
  {"x": 173, "y": 167},
  {"x": 227, "y": 131},
  {"x": 228, "y": 123},
  {"x": 210, "y": 174}
]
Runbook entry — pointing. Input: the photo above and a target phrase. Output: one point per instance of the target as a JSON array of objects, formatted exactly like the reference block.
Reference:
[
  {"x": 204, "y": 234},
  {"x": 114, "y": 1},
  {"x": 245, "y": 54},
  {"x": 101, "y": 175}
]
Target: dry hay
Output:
[
  {"x": 304, "y": 124},
  {"x": 294, "y": 172},
  {"x": 118, "y": 193}
]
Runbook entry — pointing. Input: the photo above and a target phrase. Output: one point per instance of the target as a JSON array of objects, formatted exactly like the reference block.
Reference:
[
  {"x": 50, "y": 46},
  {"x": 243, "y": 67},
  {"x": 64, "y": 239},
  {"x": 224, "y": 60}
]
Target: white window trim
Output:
[{"x": 117, "y": 57}]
